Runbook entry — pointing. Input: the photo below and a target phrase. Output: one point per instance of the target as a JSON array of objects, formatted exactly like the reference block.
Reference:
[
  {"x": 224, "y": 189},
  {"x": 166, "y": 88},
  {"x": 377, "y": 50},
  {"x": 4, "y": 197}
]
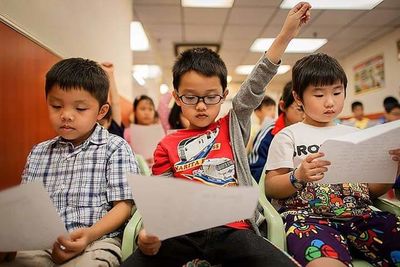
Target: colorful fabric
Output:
[
  {"x": 372, "y": 237},
  {"x": 83, "y": 181}
]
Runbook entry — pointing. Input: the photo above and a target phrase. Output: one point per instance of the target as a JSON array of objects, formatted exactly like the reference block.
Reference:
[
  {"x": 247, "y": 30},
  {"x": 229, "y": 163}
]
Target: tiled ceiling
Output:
[{"x": 166, "y": 23}]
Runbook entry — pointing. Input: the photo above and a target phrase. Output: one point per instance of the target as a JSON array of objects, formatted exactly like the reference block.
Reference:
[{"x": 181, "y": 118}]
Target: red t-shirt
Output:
[{"x": 203, "y": 156}]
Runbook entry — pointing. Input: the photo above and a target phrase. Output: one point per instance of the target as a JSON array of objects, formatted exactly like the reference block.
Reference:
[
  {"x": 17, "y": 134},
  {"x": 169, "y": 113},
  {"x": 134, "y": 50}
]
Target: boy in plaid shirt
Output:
[{"x": 83, "y": 170}]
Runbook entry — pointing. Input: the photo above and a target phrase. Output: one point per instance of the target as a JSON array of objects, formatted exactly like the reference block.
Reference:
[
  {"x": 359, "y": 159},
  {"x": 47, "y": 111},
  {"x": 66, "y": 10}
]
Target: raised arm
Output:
[{"x": 108, "y": 67}]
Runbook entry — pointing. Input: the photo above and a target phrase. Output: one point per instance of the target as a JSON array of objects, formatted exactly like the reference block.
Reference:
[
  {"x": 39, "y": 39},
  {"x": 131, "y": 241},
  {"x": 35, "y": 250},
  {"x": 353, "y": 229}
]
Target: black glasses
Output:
[{"x": 194, "y": 99}]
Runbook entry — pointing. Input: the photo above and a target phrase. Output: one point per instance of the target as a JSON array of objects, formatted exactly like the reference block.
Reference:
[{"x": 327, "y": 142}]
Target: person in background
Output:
[
  {"x": 212, "y": 152},
  {"x": 264, "y": 114},
  {"x": 323, "y": 222},
  {"x": 144, "y": 113},
  {"x": 359, "y": 120},
  {"x": 176, "y": 119},
  {"x": 113, "y": 119},
  {"x": 83, "y": 169},
  {"x": 392, "y": 112},
  {"x": 289, "y": 113}
]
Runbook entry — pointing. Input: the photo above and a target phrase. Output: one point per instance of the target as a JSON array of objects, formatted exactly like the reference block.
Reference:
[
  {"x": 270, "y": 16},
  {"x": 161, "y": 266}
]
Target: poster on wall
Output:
[{"x": 369, "y": 75}]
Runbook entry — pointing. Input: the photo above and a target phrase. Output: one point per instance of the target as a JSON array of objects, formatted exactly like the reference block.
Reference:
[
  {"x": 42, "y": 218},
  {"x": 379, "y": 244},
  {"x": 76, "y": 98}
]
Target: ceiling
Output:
[{"x": 235, "y": 29}]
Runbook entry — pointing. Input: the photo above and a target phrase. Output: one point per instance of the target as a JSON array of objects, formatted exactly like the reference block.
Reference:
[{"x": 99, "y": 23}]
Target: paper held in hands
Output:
[
  {"x": 144, "y": 139},
  {"x": 363, "y": 156},
  {"x": 29, "y": 221},
  {"x": 172, "y": 207}
]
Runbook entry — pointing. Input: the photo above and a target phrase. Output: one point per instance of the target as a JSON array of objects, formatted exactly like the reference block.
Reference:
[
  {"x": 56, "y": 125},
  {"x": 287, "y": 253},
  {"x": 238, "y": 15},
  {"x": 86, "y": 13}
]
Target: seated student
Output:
[
  {"x": 325, "y": 221},
  {"x": 358, "y": 120},
  {"x": 289, "y": 113},
  {"x": 83, "y": 169},
  {"x": 213, "y": 152},
  {"x": 113, "y": 119},
  {"x": 144, "y": 113},
  {"x": 263, "y": 114}
]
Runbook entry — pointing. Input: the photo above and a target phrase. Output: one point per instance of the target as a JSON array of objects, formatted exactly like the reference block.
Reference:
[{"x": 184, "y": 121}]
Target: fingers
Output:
[
  {"x": 60, "y": 255},
  {"x": 395, "y": 153},
  {"x": 310, "y": 158},
  {"x": 148, "y": 244}
]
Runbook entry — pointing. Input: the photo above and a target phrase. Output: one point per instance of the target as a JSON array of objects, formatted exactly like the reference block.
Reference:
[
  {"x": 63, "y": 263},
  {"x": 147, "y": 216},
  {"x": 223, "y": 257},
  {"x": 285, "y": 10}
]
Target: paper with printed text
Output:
[
  {"x": 29, "y": 221},
  {"x": 363, "y": 156},
  {"x": 172, "y": 207}
]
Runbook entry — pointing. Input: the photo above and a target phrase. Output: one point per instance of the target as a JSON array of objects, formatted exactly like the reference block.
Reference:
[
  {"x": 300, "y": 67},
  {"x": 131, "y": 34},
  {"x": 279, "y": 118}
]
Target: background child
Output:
[
  {"x": 324, "y": 220},
  {"x": 83, "y": 169},
  {"x": 213, "y": 152},
  {"x": 176, "y": 119},
  {"x": 289, "y": 113}
]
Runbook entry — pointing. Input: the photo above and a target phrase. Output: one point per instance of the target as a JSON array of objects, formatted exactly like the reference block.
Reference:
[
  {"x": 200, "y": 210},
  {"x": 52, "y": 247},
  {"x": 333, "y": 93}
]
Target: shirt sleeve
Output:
[
  {"x": 281, "y": 151},
  {"x": 162, "y": 163},
  {"x": 121, "y": 162}
]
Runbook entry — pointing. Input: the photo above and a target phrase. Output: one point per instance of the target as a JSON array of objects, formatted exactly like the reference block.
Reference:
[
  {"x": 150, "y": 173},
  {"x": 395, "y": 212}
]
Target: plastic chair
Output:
[{"x": 143, "y": 166}]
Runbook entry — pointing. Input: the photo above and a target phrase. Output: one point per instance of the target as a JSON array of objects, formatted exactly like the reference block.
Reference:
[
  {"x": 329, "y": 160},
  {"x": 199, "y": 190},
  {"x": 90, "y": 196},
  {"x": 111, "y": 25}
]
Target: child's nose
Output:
[
  {"x": 201, "y": 105},
  {"x": 66, "y": 116}
]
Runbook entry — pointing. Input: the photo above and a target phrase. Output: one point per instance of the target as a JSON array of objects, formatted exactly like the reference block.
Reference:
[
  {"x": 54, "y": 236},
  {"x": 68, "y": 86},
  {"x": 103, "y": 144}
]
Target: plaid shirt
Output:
[{"x": 83, "y": 181}]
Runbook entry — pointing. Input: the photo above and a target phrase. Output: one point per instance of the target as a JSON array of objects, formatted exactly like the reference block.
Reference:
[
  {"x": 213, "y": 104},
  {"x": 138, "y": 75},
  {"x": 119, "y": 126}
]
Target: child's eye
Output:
[
  {"x": 318, "y": 95},
  {"x": 337, "y": 93},
  {"x": 55, "y": 106},
  {"x": 81, "y": 109}
]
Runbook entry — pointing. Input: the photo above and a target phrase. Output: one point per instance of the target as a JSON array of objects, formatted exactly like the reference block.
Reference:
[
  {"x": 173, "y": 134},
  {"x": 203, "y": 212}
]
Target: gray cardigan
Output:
[{"x": 250, "y": 95}]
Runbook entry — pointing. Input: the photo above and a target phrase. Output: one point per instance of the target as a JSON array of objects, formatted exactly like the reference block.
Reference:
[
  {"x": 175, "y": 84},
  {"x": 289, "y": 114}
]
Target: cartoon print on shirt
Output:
[{"x": 193, "y": 153}]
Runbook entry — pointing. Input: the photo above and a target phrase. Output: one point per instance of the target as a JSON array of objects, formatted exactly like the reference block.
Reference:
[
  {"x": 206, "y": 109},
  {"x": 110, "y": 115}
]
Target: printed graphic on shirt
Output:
[{"x": 193, "y": 152}]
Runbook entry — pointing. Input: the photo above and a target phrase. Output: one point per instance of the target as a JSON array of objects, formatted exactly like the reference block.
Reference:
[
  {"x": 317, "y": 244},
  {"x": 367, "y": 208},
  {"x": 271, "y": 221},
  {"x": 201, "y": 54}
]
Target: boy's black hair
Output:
[
  {"x": 79, "y": 73},
  {"x": 389, "y": 102},
  {"x": 317, "y": 70},
  {"x": 356, "y": 104},
  {"x": 267, "y": 101},
  {"x": 201, "y": 60},
  {"x": 287, "y": 96}
]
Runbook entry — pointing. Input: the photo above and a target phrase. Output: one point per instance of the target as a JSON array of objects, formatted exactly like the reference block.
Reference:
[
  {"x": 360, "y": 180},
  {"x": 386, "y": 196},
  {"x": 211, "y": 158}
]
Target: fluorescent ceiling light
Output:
[
  {"x": 139, "y": 79},
  {"x": 164, "y": 88},
  {"x": 335, "y": 4},
  {"x": 297, "y": 45},
  {"x": 139, "y": 41},
  {"x": 147, "y": 71},
  {"x": 208, "y": 3},
  {"x": 246, "y": 69}
]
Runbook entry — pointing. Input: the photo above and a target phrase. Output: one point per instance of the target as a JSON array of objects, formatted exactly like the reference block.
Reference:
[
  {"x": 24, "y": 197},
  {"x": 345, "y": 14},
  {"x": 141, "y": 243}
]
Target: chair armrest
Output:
[
  {"x": 390, "y": 205},
  {"x": 131, "y": 232}
]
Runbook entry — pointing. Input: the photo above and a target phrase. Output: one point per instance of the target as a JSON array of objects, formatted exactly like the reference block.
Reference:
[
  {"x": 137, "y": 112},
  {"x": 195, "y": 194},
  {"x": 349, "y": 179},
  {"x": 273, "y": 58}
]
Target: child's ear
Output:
[
  {"x": 297, "y": 99},
  {"x": 103, "y": 111},
  {"x": 176, "y": 97},
  {"x": 226, "y": 92},
  {"x": 281, "y": 106}
]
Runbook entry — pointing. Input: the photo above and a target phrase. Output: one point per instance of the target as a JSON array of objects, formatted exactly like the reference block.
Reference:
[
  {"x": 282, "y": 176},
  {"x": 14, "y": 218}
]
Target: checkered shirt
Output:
[{"x": 83, "y": 181}]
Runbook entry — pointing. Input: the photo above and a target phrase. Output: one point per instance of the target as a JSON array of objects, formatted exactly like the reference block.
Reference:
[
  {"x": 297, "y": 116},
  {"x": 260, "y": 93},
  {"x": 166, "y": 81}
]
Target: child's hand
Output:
[
  {"x": 297, "y": 17},
  {"x": 7, "y": 256},
  {"x": 68, "y": 247},
  {"x": 396, "y": 157},
  {"x": 108, "y": 67},
  {"x": 311, "y": 169},
  {"x": 148, "y": 244}
]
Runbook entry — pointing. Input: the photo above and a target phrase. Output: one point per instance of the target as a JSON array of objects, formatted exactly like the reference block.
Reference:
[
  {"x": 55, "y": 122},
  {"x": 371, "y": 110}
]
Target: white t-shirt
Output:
[{"x": 289, "y": 148}]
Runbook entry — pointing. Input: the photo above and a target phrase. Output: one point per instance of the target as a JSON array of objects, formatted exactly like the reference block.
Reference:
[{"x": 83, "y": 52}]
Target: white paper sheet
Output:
[
  {"x": 29, "y": 221},
  {"x": 363, "y": 156},
  {"x": 172, "y": 207},
  {"x": 144, "y": 139}
]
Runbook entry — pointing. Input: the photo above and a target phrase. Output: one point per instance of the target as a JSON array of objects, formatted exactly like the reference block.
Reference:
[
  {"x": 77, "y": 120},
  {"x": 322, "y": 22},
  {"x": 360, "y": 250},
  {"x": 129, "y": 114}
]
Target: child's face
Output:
[
  {"x": 393, "y": 115},
  {"x": 293, "y": 114},
  {"x": 358, "y": 112},
  {"x": 322, "y": 104},
  {"x": 145, "y": 113},
  {"x": 73, "y": 113},
  {"x": 192, "y": 85},
  {"x": 266, "y": 112}
]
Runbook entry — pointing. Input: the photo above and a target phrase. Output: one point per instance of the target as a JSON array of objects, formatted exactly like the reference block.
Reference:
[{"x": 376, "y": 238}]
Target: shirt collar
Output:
[
  {"x": 279, "y": 124},
  {"x": 98, "y": 137}
]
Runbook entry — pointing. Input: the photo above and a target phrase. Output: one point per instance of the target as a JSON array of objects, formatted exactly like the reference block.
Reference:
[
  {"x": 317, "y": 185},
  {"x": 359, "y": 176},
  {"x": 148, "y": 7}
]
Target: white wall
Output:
[
  {"x": 387, "y": 45},
  {"x": 95, "y": 29}
]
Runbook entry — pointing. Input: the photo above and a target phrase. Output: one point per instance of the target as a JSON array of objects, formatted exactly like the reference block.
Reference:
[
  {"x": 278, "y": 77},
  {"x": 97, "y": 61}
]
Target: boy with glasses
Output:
[{"x": 213, "y": 152}]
